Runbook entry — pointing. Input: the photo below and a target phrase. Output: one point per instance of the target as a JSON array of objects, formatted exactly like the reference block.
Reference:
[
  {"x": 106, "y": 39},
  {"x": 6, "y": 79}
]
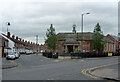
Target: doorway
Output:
[{"x": 70, "y": 48}]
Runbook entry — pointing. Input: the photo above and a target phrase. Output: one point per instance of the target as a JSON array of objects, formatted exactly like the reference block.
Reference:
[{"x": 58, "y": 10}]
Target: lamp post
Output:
[
  {"x": 82, "y": 31},
  {"x": 8, "y": 24}
]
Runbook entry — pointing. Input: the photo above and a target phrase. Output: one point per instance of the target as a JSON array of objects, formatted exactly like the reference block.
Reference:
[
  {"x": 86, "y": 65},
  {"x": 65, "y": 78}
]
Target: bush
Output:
[
  {"x": 45, "y": 54},
  {"x": 49, "y": 55},
  {"x": 92, "y": 54},
  {"x": 75, "y": 55}
]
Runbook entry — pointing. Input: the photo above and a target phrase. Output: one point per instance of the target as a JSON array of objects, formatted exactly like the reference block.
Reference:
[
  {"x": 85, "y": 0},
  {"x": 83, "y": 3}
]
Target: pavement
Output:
[
  {"x": 106, "y": 74},
  {"x": 109, "y": 71},
  {"x": 64, "y": 57},
  {"x": 8, "y": 64}
]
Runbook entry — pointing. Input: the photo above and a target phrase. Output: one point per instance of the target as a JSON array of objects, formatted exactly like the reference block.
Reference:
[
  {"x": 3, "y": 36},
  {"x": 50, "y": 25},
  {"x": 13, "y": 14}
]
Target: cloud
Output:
[{"x": 33, "y": 17}]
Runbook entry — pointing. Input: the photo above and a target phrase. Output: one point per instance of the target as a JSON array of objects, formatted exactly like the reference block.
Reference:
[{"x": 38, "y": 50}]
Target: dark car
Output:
[{"x": 55, "y": 55}]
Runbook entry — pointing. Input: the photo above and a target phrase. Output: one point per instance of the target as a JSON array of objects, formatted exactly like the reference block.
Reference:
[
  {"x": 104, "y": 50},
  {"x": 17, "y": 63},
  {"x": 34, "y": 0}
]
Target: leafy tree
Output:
[
  {"x": 97, "y": 37},
  {"x": 52, "y": 38}
]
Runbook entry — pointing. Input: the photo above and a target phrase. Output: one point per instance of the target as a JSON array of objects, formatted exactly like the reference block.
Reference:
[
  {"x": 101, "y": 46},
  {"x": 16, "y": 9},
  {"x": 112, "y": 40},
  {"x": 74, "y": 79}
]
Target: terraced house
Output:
[
  {"x": 17, "y": 44},
  {"x": 3, "y": 45}
]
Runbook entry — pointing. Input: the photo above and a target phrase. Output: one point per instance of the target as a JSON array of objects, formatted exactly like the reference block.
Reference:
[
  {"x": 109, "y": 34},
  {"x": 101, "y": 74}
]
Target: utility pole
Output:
[{"x": 37, "y": 44}]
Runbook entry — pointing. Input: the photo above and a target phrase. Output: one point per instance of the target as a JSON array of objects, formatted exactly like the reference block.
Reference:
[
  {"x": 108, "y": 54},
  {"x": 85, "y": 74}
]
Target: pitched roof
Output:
[
  {"x": 86, "y": 36},
  {"x": 71, "y": 40},
  {"x": 107, "y": 39},
  {"x": 115, "y": 37},
  {"x": 78, "y": 36}
]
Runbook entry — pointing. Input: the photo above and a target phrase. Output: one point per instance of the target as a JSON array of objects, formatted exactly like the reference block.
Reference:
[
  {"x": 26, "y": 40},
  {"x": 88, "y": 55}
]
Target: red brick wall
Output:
[{"x": 117, "y": 43}]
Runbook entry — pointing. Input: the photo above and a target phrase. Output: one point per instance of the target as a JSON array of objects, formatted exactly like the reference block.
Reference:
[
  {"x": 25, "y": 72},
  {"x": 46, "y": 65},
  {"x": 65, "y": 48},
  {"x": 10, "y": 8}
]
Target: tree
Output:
[
  {"x": 97, "y": 37},
  {"x": 52, "y": 38}
]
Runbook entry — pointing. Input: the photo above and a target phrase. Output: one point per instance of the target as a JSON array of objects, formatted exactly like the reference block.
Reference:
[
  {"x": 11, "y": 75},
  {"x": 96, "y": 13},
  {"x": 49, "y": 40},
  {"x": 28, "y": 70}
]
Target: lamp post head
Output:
[
  {"x": 87, "y": 13},
  {"x": 8, "y": 23}
]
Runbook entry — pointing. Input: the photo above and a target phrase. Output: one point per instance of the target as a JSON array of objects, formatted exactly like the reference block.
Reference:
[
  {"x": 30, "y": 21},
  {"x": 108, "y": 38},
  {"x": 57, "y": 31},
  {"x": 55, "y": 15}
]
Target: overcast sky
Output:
[{"x": 32, "y": 17}]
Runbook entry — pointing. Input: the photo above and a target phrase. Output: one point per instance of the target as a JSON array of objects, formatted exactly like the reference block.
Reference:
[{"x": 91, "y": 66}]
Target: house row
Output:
[{"x": 15, "y": 44}]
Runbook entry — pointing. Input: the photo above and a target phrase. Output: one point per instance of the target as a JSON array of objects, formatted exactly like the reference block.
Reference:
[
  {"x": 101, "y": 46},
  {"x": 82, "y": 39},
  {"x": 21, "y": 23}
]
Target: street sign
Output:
[{"x": 109, "y": 54}]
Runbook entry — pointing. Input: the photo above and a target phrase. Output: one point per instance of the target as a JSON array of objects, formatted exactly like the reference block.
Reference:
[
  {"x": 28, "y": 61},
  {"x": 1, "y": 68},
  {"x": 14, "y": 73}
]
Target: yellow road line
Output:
[{"x": 84, "y": 71}]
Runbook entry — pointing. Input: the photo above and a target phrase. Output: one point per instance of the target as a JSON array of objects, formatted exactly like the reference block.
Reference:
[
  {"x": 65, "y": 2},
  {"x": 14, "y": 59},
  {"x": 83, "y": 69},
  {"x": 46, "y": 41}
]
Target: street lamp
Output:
[
  {"x": 8, "y": 24},
  {"x": 82, "y": 31}
]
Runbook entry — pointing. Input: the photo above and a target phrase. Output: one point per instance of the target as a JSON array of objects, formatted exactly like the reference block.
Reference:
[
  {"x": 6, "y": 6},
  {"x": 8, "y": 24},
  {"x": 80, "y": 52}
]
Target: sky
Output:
[{"x": 29, "y": 18}]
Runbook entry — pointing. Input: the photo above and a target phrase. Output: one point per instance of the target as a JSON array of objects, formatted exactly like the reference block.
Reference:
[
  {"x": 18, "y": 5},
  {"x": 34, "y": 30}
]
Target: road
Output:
[{"x": 37, "y": 67}]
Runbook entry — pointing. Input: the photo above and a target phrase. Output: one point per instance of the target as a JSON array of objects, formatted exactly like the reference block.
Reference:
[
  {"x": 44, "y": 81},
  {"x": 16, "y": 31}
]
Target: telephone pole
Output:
[{"x": 37, "y": 43}]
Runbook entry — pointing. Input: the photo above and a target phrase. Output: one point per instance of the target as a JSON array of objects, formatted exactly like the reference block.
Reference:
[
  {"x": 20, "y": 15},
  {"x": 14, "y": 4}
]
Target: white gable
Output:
[{"x": 10, "y": 43}]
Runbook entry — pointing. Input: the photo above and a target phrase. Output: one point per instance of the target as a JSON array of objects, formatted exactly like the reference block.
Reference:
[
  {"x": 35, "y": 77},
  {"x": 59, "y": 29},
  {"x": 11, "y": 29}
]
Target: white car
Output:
[
  {"x": 17, "y": 55},
  {"x": 41, "y": 51},
  {"x": 10, "y": 55}
]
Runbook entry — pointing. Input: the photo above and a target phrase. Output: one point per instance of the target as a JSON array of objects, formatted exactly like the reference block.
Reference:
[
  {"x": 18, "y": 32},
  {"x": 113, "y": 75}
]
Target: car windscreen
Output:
[{"x": 11, "y": 53}]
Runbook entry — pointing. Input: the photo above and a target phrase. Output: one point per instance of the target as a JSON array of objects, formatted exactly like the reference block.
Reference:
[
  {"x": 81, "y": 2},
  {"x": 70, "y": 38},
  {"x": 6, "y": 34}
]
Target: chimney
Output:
[
  {"x": 8, "y": 34},
  {"x": 16, "y": 37},
  {"x": 13, "y": 37},
  {"x": 20, "y": 39},
  {"x": 23, "y": 40},
  {"x": 28, "y": 42}
]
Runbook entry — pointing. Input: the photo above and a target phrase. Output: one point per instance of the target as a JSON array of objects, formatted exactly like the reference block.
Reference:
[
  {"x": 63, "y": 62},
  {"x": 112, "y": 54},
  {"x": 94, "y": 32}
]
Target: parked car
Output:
[
  {"x": 17, "y": 55},
  {"x": 55, "y": 55},
  {"x": 41, "y": 51},
  {"x": 10, "y": 55},
  {"x": 28, "y": 53}
]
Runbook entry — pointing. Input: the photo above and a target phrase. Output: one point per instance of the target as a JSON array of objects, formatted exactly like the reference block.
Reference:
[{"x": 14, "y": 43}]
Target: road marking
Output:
[
  {"x": 41, "y": 60},
  {"x": 82, "y": 60},
  {"x": 51, "y": 79},
  {"x": 57, "y": 60},
  {"x": 84, "y": 71}
]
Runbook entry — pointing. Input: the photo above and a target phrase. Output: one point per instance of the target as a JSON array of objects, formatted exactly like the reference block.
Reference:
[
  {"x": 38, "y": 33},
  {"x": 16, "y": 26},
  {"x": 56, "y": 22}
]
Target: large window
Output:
[
  {"x": 114, "y": 47},
  {"x": 107, "y": 47}
]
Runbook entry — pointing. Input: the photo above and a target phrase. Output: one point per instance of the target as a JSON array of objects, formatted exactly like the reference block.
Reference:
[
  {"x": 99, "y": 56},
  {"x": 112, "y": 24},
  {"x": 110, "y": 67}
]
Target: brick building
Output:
[
  {"x": 116, "y": 40},
  {"x": 21, "y": 45},
  {"x": 68, "y": 42},
  {"x": 3, "y": 45}
]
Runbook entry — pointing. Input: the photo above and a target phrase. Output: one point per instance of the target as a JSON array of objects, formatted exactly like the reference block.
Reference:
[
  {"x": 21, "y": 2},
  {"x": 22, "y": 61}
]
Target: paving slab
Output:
[
  {"x": 8, "y": 64},
  {"x": 106, "y": 73}
]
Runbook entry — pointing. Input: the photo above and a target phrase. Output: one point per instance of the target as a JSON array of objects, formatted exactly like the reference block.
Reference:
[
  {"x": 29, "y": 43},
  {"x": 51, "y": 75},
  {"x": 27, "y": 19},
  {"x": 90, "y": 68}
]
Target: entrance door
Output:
[{"x": 70, "y": 48}]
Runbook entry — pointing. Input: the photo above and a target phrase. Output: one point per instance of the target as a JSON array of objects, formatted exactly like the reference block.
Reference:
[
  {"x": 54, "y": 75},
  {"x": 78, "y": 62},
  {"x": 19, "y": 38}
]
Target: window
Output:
[
  {"x": 109, "y": 47},
  {"x": 114, "y": 47}
]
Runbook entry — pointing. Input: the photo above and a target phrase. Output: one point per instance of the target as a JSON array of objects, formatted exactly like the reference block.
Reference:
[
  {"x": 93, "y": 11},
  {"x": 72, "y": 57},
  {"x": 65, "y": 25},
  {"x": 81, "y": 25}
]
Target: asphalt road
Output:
[{"x": 37, "y": 67}]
